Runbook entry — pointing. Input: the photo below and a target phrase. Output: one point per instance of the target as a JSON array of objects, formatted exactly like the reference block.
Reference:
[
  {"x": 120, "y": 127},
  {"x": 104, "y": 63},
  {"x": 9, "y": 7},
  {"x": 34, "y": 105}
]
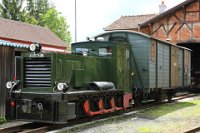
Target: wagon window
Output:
[
  {"x": 118, "y": 37},
  {"x": 105, "y": 52}
]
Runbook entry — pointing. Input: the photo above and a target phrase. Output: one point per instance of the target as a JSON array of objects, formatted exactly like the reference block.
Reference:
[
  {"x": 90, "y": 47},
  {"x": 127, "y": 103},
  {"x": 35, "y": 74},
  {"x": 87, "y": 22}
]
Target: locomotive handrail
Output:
[
  {"x": 60, "y": 68},
  {"x": 11, "y": 89}
]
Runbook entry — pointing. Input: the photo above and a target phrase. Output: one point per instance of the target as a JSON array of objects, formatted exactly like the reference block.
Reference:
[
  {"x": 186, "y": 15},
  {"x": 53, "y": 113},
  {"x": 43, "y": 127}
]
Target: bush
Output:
[{"x": 2, "y": 120}]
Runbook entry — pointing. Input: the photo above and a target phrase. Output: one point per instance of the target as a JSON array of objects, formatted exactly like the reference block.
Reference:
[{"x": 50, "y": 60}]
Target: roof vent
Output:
[{"x": 162, "y": 7}]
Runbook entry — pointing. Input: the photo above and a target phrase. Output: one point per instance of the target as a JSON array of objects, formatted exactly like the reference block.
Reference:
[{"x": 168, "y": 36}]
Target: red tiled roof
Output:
[
  {"x": 27, "y": 32},
  {"x": 129, "y": 22}
]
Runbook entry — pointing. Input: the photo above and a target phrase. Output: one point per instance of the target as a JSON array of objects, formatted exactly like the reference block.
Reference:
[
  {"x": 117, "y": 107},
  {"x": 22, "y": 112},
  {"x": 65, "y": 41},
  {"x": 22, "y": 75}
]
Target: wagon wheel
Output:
[
  {"x": 169, "y": 98},
  {"x": 138, "y": 100},
  {"x": 158, "y": 96},
  {"x": 138, "y": 97},
  {"x": 169, "y": 95}
]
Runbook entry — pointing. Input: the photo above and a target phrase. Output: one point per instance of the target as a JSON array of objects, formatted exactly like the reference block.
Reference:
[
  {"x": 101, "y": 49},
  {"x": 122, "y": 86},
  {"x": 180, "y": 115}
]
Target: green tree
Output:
[
  {"x": 12, "y": 9},
  {"x": 38, "y": 8},
  {"x": 29, "y": 19},
  {"x": 57, "y": 24},
  {"x": 42, "y": 13}
]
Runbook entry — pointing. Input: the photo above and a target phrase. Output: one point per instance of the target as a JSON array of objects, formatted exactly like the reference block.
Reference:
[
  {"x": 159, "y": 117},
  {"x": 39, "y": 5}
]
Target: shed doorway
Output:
[{"x": 195, "y": 62}]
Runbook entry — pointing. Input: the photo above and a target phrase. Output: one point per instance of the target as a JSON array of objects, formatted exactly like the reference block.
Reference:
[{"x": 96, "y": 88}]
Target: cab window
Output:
[
  {"x": 105, "y": 52},
  {"x": 82, "y": 51}
]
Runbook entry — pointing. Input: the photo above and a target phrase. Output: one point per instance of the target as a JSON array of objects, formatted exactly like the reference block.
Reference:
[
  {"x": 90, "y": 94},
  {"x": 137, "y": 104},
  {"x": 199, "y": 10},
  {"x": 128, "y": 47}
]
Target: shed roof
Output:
[
  {"x": 129, "y": 22},
  {"x": 168, "y": 12},
  {"x": 29, "y": 33}
]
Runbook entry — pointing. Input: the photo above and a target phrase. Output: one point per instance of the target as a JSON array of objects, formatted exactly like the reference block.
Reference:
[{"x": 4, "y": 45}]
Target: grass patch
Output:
[
  {"x": 2, "y": 120},
  {"x": 166, "y": 109},
  {"x": 146, "y": 129},
  {"x": 172, "y": 117}
]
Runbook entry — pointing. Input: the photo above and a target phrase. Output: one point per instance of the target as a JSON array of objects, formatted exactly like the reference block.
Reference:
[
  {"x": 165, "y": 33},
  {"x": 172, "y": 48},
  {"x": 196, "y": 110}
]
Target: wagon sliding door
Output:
[
  {"x": 174, "y": 66},
  {"x": 181, "y": 67},
  {"x": 187, "y": 66},
  {"x": 163, "y": 65}
]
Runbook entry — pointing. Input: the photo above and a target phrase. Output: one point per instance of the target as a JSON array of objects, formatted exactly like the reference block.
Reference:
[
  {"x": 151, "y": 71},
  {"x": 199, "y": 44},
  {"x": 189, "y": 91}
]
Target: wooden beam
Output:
[
  {"x": 184, "y": 12},
  {"x": 182, "y": 26},
  {"x": 188, "y": 26},
  {"x": 156, "y": 29},
  {"x": 172, "y": 27},
  {"x": 165, "y": 29},
  {"x": 168, "y": 26},
  {"x": 199, "y": 9},
  {"x": 177, "y": 18},
  {"x": 150, "y": 27},
  {"x": 179, "y": 27},
  {"x": 191, "y": 32},
  {"x": 184, "y": 21}
]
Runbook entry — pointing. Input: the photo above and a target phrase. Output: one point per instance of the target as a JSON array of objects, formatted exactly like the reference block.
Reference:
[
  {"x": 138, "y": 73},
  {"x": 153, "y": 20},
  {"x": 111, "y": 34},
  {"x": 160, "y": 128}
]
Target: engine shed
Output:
[{"x": 180, "y": 25}]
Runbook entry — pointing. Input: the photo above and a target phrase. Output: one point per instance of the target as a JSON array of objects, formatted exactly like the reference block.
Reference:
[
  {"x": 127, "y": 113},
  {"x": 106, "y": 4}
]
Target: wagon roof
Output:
[{"x": 138, "y": 33}]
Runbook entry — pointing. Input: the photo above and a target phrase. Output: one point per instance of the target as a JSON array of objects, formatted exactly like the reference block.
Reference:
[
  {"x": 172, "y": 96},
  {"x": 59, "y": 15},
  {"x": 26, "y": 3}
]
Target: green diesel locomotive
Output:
[{"x": 98, "y": 77}]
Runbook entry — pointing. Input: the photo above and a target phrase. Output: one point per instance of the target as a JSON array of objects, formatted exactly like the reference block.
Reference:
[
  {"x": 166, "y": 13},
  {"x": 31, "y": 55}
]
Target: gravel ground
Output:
[{"x": 177, "y": 118}]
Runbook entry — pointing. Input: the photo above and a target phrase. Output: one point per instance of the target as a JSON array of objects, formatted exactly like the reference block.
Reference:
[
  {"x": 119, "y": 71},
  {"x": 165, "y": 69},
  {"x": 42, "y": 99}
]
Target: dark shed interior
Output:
[{"x": 195, "y": 62}]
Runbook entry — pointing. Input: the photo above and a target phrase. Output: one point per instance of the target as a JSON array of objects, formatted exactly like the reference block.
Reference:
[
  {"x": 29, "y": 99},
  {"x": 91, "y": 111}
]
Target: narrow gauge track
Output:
[
  {"x": 42, "y": 127},
  {"x": 27, "y": 128}
]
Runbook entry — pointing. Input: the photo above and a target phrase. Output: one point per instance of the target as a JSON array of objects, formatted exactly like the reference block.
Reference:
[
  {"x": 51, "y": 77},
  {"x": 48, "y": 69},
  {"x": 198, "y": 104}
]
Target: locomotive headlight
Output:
[
  {"x": 62, "y": 86},
  {"x": 35, "y": 48},
  {"x": 9, "y": 84}
]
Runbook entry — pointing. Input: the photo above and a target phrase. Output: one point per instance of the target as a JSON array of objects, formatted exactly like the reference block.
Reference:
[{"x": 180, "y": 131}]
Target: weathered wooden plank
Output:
[{"x": 6, "y": 73}]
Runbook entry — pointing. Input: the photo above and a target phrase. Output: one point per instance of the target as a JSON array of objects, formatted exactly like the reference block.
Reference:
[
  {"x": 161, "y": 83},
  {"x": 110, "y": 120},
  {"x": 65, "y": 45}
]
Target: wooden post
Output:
[{"x": 7, "y": 55}]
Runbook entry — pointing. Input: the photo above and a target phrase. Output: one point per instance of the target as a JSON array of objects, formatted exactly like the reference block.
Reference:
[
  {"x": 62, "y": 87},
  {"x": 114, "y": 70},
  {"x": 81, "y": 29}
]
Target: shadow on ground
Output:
[{"x": 163, "y": 110}]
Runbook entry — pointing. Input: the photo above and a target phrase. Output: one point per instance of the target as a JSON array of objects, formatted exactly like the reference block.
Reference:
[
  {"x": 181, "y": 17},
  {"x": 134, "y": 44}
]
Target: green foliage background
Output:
[{"x": 37, "y": 12}]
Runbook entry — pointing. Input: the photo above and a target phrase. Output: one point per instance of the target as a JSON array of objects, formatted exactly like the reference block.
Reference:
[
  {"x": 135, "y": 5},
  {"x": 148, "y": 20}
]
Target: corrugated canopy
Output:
[{"x": 11, "y": 44}]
